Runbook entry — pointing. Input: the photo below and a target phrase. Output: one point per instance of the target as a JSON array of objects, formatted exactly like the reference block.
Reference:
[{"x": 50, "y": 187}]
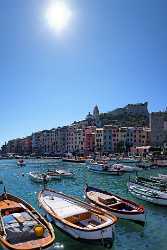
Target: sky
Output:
[{"x": 111, "y": 53}]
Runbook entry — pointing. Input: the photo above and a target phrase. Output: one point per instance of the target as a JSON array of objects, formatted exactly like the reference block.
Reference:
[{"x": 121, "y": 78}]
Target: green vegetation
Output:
[{"x": 124, "y": 119}]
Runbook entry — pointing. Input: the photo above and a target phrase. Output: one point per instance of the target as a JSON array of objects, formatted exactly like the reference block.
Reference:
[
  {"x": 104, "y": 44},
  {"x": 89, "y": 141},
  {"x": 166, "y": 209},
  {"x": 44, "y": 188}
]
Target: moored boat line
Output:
[
  {"x": 74, "y": 160},
  {"x": 77, "y": 218},
  {"x": 50, "y": 175},
  {"x": 108, "y": 168},
  {"x": 41, "y": 177},
  {"x": 153, "y": 182}
]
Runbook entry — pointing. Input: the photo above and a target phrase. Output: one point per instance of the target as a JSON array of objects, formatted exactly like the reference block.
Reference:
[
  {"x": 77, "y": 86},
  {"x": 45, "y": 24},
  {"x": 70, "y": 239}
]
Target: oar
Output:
[
  {"x": 32, "y": 215},
  {"x": 3, "y": 227}
]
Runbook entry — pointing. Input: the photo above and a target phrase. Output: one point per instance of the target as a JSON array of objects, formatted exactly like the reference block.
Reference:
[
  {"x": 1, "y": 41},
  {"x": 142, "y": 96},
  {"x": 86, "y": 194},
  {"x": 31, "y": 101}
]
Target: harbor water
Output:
[{"x": 128, "y": 235}]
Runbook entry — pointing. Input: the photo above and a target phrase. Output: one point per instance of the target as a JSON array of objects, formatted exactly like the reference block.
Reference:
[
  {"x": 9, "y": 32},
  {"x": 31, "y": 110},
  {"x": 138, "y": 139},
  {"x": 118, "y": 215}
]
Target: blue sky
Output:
[{"x": 113, "y": 53}]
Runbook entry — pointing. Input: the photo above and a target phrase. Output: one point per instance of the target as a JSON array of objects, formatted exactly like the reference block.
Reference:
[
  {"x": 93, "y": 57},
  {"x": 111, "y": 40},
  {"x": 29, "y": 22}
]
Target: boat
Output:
[
  {"x": 163, "y": 177},
  {"x": 160, "y": 161},
  {"x": 74, "y": 160},
  {"x": 153, "y": 182},
  {"x": 118, "y": 206},
  {"x": 77, "y": 218},
  {"x": 21, "y": 163},
  {"x": 41, "y": 177},
  {"x": 115, "y": 169},
  {"x": 147, "y": 193},
  {"x": 124, "y": 168},
  {"x": 104, "y": 169},
  {"x": 128, "y": 160},
  {"x": 64, "y": 173},
  {"x": 21, "y": 226}
]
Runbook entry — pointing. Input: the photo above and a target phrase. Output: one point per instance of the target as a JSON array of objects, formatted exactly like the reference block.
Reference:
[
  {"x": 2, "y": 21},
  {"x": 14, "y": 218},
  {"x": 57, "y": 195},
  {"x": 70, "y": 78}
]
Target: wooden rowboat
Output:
[
  {"x": 77, "y": 218},
  {"x": 120, "y": 207},
  {"x": 21, "y": 226}
]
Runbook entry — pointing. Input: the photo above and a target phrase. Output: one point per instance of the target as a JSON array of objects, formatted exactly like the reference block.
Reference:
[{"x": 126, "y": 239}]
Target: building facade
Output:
[{"x": 158, "y": 125}]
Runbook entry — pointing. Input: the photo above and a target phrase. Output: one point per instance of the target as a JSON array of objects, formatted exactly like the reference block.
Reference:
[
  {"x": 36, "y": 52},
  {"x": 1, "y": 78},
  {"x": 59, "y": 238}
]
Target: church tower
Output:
[
  {"x": 96, "y": 115},
  {"x": 96, "y": 112}
]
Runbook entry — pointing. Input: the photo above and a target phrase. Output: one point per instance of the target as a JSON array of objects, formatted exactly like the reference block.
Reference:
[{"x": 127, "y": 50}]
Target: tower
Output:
[
  {"x": 96, "y": 115},
  {"x": 96, "y": 112}
]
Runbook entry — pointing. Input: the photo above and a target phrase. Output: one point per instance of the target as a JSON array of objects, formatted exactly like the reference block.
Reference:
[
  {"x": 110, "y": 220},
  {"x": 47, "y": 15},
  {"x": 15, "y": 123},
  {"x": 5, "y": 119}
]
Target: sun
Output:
[{"x": 58, "y": 16}]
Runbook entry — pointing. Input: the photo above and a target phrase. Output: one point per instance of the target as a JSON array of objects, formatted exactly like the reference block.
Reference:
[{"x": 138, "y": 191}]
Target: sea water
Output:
[{"x": 128, "y": 235}]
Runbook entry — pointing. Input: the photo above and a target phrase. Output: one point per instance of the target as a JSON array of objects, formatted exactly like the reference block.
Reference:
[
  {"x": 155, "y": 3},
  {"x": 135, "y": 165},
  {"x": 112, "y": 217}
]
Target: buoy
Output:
[{"x": 39, "y": 230}]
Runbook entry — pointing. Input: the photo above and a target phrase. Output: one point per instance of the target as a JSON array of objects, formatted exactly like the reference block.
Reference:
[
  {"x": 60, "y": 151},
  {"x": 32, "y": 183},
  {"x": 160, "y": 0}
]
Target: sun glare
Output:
[{"x": 58, "y": 16}]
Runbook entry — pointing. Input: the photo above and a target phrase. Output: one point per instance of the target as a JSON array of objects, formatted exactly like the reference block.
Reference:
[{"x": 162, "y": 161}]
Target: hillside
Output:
[{"x": 124, "y": 119}]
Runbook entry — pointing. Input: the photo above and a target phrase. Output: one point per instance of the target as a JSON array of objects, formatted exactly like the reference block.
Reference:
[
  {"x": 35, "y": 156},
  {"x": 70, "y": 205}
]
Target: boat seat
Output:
[
  {"x": 88, "y": 223},
  {"x": 115, "y": 204},
  {"x": 107, "y": 200},
  {"x": 78, "y": 218}
]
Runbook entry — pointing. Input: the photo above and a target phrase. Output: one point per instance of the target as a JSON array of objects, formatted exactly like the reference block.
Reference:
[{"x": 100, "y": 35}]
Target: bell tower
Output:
[{"x": 96, "y": 115}]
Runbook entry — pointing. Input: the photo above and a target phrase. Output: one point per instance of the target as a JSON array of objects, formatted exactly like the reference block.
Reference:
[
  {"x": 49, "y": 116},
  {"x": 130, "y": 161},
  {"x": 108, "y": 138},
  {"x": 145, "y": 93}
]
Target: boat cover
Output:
[
  {"x": 62, "y": 207},
  {"x": 20, "y": 227}
]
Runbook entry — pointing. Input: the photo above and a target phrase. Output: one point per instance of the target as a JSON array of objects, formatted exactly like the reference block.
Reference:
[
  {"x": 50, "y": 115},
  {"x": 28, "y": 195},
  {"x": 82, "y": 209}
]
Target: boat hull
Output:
[
  {"x": 102, "y": 231},
  {"x": 135, "y": 215},
  {"x": 106, "y": 233},
  {"x": 106, "y": 172},
  {"x": 73, "y": 161},
  {"x": 145, "y": 195},
  {"x": 48, "y": 178}
]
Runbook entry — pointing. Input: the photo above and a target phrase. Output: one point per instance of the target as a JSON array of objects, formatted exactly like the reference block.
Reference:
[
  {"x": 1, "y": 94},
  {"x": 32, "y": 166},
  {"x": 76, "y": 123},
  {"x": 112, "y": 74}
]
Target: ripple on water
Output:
[{"x": 129, "y": 236}]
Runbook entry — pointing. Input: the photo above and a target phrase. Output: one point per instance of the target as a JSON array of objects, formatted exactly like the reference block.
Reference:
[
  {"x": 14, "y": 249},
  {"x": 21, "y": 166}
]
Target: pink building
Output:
[{"x": 89, "y": 142}]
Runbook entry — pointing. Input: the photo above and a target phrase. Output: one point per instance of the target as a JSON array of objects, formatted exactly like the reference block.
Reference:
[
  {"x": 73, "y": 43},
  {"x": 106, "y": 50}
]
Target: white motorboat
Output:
[
  {"x": 41, "y": 177},
  {"x": 63, "y": 173},
  {"x": 152, "y": 182},
  {"x": 148, "y": 193},
  {"x": 115, "y": 169},
  {"x": 125, "y": 168},
  {"x": 77, "y": 218},
  {"x": 163, "y": 177},
  {"x": 104, "y": 169}
]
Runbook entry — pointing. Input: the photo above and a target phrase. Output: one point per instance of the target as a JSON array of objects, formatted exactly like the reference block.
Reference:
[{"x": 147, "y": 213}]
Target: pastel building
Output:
[
  {"x": 107, "y": 139},
  {"x": 115, "y": 138},
  {"x": 75, "y": 139},
  {"x": 20, "y": 146},
  {"x": 89, "y": 141},
  {"x": 99, "y": 139}
]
